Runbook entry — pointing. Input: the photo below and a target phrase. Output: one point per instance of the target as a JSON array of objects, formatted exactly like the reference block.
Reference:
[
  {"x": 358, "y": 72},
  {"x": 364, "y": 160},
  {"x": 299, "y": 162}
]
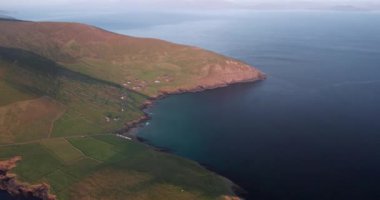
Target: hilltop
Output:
[
  {"x": 149, "y": 66},
  {"x": 67, "y": 88}
]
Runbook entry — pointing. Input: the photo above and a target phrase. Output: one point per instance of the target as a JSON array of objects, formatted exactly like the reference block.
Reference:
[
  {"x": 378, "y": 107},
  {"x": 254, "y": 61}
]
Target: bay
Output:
[{"x": 310, "y": 131}]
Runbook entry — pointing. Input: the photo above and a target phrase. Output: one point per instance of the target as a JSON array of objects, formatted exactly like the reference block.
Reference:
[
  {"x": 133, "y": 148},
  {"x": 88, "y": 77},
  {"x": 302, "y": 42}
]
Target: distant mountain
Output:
[{"x": 5, "y": 17}]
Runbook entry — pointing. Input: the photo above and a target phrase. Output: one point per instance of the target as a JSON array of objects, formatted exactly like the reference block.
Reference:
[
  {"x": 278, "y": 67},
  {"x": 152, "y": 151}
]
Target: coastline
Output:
[
  {"x": 10, "y": 183},
  {"x": 130, "y": 126},
  {"x": 131, "y": 130}
]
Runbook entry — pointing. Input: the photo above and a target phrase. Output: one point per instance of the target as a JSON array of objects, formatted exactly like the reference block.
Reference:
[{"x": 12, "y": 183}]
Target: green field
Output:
[
  {"x": 10, "y": 94},
  {"x": 61, "y": 148},
  {"x": 108, "y": 167}
]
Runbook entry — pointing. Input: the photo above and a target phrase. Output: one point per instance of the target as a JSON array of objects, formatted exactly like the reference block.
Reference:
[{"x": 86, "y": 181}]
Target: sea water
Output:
[{"x": 310, "y": 131}]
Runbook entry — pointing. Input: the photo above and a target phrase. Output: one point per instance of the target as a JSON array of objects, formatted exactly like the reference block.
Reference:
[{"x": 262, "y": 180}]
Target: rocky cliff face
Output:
[
  {"x": 218, "y": 75},
  {"x": 9, "y": 183}
]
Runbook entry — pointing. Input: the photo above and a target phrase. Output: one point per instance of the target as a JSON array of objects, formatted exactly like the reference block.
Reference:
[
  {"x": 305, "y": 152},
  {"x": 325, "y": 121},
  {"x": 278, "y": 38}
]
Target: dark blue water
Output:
[
  {"x": 5, "y": 196},
  {"x": 310, "y": 131}
]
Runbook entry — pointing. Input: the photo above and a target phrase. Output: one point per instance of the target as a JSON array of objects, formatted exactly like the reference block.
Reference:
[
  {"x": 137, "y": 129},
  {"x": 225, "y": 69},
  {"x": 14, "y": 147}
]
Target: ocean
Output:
[
  {"x": 310, "y": 131},
  {"x": 5, "y": 196}
]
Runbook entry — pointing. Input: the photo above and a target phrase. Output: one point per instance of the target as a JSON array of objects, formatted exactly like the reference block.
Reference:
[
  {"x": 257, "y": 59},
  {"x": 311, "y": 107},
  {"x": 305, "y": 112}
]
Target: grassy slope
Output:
[
  {"x": 145, "y": 65},
  {"x": 79, "y": 166},
  {"x": 87, "y": 101},
  {"x": 107, "y": 167},
  {"x": 28, "y": 120}
]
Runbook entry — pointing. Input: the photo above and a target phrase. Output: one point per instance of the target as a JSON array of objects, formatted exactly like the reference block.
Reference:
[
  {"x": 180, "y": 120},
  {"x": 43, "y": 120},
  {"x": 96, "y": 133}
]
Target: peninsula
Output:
[{"x": 66, "y": 88}]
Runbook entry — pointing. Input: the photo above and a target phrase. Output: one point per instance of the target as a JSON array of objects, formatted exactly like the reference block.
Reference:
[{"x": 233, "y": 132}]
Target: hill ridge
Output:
[{"x": 146, "y": 65}]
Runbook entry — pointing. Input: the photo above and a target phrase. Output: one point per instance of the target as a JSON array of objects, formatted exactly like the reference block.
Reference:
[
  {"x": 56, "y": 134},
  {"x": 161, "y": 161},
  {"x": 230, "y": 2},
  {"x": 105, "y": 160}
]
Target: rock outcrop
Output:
[
  {"x": 9, "y": 183},
  {"x": 220, "y": 75}
]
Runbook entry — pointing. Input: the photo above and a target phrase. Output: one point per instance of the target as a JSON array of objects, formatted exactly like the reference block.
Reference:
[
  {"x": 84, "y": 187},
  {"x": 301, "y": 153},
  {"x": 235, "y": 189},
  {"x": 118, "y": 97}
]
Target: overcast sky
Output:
[{"x": 104, "y": 5}]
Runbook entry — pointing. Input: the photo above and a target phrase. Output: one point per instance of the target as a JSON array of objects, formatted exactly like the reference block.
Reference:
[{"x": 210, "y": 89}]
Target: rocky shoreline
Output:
[
  {"x": 9, "y": 183},
  {"x": 126, "y": 130}
]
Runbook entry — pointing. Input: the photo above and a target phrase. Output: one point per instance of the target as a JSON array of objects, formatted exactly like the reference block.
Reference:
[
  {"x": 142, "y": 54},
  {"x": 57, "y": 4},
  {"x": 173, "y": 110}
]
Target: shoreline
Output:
[
  {"x": 10, "y": 184},
  {"x": 132, "y": 128},
  {"x": 151, "y": 101}
]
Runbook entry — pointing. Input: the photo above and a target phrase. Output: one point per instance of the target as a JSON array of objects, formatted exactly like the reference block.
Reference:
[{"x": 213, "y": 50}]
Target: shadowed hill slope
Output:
[
  {"x": 149, "y": 66},
  {"x": 88, "y": 102}
]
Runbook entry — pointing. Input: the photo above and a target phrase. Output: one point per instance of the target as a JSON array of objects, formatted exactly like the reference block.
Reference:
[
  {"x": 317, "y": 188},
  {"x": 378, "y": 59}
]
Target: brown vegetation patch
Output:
[
  {"x": 2, "y": 71},
  {"x": 119, "y": 185},
  {"x": 28, "y": 120},
  {"x": 166, "y": 192},
  {"x": 108, "y": 184}
]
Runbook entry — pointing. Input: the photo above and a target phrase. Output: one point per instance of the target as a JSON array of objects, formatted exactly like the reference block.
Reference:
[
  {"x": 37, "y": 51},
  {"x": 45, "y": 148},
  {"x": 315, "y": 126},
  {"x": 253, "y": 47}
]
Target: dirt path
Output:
[
  {"x": 39, "y": 140},
  {"x": 55, "y": 119}
]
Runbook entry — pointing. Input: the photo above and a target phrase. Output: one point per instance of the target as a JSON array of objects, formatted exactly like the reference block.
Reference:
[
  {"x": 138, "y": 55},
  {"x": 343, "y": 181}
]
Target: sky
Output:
[
  {"x": 22, "y": 8},
  {"x": 13, "y": 5}
]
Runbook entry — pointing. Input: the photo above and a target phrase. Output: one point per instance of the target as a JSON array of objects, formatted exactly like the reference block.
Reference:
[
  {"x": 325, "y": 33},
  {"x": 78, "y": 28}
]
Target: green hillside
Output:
[
  {"x": 61, "y": 123},
  {"x": 83, "y": 104}
]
